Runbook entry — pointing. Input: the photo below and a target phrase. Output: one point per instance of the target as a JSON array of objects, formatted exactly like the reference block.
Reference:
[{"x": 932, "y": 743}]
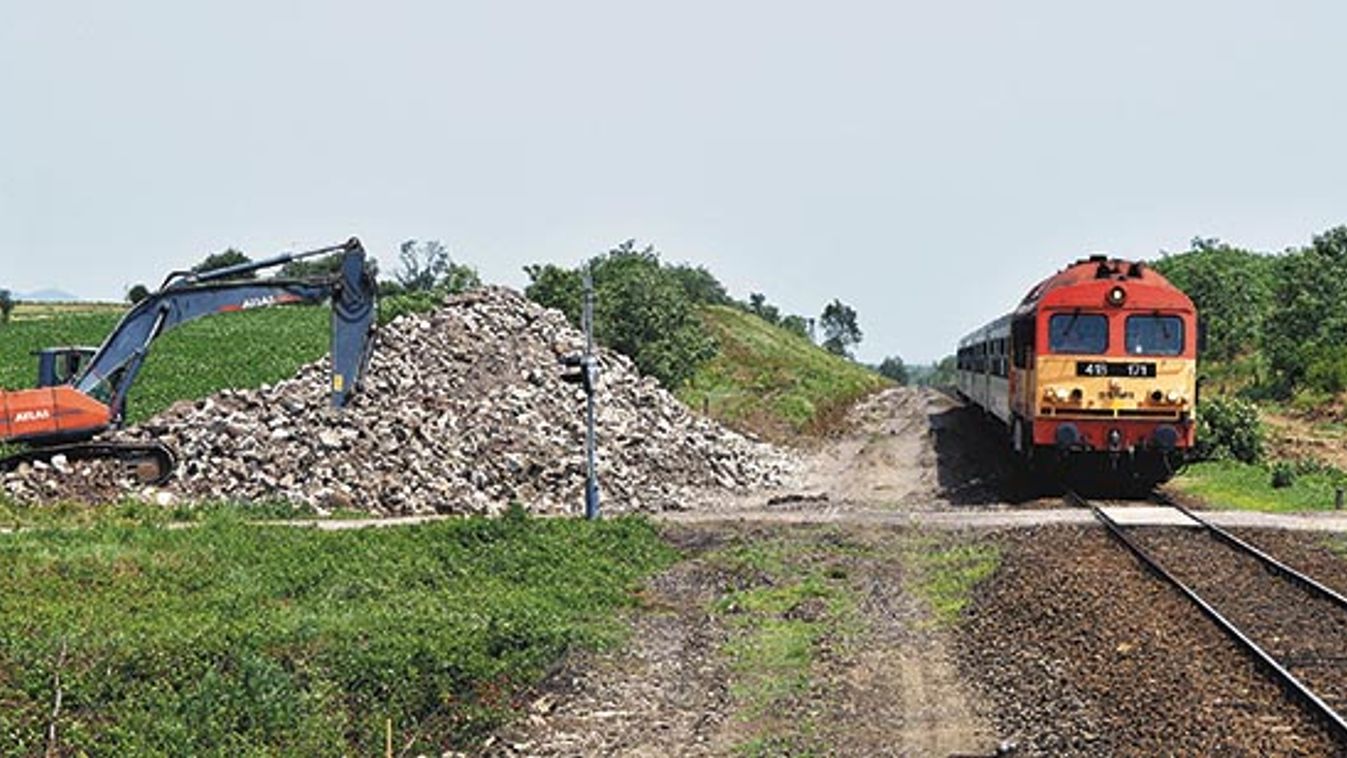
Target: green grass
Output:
[
  {"x": 1241, "y": 486},
  {"x": 771, "y": 381},
  {"x": 230, "y": 639},
  {"x": 944, "y": 575}
]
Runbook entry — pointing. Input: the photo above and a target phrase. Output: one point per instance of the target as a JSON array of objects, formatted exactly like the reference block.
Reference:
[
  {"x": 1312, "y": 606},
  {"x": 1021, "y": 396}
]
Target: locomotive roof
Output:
[
  {"x": 1101, "y": 270},
  {"x": 1083, "y": 284}
]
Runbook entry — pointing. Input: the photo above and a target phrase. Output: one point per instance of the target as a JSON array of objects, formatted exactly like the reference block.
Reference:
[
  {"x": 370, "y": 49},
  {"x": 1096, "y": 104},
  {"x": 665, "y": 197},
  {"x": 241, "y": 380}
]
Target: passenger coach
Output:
[{"x": 1096, "y": 365}]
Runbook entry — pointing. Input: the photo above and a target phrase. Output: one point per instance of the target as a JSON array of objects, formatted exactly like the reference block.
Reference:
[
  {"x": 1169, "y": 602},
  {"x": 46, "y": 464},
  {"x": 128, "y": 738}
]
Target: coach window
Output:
[
  {"x": 1154, "y": 335},
  {"x": 1022, "y": 340},
  {"x": 1078, "y": 333}
]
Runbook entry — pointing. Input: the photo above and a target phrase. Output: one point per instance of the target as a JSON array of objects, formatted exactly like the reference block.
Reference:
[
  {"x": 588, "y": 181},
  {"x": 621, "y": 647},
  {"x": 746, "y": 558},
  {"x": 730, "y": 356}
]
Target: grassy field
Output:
[
  {"x": 1240, "y": 486},
  {"x": 770, "y": 381},
  {"x": 244, "y": 349},
  {"x": 229, "y": 639}
]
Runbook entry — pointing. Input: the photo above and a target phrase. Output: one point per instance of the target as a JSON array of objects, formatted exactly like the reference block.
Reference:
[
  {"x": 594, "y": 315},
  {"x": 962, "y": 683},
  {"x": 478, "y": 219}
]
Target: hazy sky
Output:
[{"x": 925, "y": 162}]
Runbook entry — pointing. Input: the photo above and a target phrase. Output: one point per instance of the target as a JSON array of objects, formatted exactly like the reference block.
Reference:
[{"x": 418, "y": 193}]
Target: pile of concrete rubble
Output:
[{"x": 464, "y": 411}]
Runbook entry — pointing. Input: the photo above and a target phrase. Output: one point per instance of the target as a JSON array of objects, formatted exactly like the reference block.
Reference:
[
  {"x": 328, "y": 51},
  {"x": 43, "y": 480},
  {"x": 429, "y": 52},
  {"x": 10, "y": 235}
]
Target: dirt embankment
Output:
[{"x": 1295, "y": 437}]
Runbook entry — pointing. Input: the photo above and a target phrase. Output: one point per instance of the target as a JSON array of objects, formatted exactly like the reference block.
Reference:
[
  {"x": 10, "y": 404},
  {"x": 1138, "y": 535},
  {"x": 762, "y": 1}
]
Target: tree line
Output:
[{"x": 1282, "y": 317}]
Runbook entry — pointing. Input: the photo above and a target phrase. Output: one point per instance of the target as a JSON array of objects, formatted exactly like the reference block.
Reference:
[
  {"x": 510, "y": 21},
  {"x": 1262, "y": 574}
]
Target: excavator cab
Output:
[{"x": 60, "y": 365}]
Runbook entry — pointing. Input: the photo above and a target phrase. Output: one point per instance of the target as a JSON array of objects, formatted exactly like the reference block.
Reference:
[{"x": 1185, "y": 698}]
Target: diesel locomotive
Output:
[{"x": 1096, "y": 369}]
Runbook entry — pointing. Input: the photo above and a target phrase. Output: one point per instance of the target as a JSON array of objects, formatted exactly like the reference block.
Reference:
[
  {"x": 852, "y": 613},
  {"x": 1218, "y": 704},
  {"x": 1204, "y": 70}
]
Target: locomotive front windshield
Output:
[
  {"x": 1085, "y": 333},
  {"x": 1154, "y": 335}
]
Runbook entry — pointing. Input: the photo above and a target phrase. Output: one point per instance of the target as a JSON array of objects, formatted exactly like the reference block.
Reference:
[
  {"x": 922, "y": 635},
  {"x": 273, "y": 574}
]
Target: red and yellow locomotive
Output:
[{"x": 1098, "y": 364}]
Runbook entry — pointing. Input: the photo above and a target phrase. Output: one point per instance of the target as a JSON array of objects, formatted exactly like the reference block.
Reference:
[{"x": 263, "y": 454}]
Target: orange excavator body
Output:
[{"x": 50, "y": 413}]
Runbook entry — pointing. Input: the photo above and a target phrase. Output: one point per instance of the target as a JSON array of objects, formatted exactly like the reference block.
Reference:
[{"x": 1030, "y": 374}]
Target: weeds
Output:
[
  {"x": 793, "y": 600},
  {"x": 945, "y": 575}
]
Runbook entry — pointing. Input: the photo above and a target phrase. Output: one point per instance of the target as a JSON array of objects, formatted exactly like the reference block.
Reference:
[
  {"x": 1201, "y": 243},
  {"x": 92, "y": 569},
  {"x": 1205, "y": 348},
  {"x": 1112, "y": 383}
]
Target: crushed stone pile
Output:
[{"x": 463, "y": 411}]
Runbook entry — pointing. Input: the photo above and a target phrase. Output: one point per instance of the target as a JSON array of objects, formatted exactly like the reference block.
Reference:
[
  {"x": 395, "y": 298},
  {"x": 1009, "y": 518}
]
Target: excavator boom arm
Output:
[{"x": 112, "y": 370}]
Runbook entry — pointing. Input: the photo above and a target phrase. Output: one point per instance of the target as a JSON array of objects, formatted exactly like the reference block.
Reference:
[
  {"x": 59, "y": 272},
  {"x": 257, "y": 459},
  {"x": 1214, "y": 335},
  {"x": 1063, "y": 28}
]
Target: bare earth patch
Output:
[{"x": 767, "y": 640}]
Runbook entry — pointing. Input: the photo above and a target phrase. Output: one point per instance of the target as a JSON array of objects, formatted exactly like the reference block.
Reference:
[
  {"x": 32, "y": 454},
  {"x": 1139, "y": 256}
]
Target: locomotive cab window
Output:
[
  {"x": 1154, "y": 335},
  {"x": 1078, "y": 333}
]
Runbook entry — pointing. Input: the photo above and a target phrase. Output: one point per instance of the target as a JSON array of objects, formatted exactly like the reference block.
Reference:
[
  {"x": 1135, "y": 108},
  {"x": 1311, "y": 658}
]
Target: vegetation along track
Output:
[{"x": 1293, "y": 625}]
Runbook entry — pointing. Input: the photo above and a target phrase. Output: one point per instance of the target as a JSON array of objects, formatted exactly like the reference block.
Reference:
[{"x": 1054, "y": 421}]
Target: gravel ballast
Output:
[{"x": 1082, "y": 652}]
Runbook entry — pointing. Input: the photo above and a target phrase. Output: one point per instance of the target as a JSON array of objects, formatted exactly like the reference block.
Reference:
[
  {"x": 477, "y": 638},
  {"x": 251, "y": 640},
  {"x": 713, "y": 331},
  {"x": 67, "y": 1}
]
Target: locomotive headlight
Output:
[
  {"x": 1116, "y": 296},
  {"x": 1056, "y": 394},
  {"x": 1173, "y": 396}
]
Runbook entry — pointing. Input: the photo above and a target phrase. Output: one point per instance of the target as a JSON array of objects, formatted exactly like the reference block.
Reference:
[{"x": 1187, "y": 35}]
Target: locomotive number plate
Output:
[{"x": 1132, "y": 370}]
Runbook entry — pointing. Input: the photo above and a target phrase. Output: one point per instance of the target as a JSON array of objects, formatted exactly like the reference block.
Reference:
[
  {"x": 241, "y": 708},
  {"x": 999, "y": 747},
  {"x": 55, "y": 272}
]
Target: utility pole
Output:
[{"x": 587, "y": 377}]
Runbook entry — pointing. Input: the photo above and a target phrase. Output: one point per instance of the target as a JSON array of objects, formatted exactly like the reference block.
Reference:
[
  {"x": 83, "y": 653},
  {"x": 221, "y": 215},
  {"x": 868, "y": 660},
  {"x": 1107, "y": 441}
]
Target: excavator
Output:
[{"x": 81, "y": 391}]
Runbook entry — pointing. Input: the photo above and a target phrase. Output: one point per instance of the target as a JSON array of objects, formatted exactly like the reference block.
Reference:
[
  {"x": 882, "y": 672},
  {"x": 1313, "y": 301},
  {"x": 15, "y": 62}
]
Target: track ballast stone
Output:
[{"x": 463, "y": 411}]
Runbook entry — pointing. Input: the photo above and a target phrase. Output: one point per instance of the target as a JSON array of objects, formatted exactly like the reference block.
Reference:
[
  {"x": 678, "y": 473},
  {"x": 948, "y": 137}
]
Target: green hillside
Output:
[{"x": 770, "y": 381}]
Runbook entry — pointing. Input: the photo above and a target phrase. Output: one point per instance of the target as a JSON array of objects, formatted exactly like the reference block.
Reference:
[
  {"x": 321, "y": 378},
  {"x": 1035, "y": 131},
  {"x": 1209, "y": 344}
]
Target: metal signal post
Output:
[
  {"x": 591, "y": 368},
  {"x": 586, "y": 374}
]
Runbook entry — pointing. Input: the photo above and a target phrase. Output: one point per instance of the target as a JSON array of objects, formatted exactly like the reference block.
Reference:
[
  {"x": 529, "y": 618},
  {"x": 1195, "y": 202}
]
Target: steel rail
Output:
[
  {"x": 1297, "y": 688},
  {"x": 1307, "y": 582}
]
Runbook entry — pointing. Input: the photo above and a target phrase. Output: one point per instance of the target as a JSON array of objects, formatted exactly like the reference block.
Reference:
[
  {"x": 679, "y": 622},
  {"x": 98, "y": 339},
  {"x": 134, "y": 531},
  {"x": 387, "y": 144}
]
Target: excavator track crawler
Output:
[{"x": 151, "y": 463}]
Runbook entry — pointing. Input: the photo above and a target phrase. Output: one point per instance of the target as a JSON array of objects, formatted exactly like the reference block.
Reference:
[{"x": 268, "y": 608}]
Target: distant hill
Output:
[
  {"x": 46, "y": 296},
  {"x": 771, "y": 381}
]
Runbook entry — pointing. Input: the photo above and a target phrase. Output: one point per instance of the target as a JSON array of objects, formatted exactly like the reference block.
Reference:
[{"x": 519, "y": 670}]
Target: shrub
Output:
[
  {"x": 1327, "y": 371},
  {"x": 1229, "y": 429},
  {"x": 1283, "y": 475}
]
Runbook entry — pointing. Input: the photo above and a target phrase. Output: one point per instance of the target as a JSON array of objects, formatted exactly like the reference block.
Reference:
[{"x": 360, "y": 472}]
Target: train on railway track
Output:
[{"x": 1094, "y": 371}]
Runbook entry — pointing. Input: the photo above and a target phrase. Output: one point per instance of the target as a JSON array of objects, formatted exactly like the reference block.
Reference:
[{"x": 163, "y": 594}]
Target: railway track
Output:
[{"x": 1292, "y": 625}]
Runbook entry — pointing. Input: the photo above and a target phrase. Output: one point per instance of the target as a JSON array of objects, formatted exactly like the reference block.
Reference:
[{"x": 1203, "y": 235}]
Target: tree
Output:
[
  {"x": 1306, "y": 330},
  {"x": 230, "y": 257},
  {"x": 1232, "y": 290},
  {"x": 894, "y": 368},
  {"x": 421, "y": 264},
  {"x": 323, "y": 266},
  {"x": 642, "y": 309},
  {"x": 758, "y": 306},
  {"x": 840, "y": 330},
  {"x": 6, "y": 305},
  {"x": 798, "y": 325},
  {"x": 137, "y": 293},
  {"x": 940, "y": 374},
  {"x": 699, "y": 284},
  {"x": 425, "y": 266},
  {"x": 552, "y": 286}
]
